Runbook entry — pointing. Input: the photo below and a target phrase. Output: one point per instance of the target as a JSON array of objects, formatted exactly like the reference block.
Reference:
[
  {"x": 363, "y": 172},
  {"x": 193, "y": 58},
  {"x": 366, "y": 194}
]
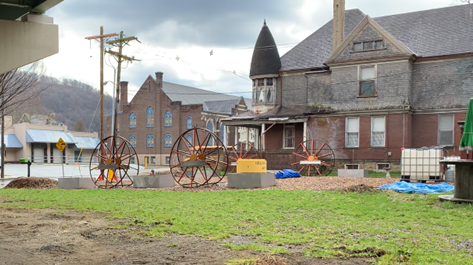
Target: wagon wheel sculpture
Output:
[
  {"x": 240, "y": 152},
  {"x": 313, "y": 158},
  {"x": 112, "y": 162},
  {"x": 198, "y": 157}
]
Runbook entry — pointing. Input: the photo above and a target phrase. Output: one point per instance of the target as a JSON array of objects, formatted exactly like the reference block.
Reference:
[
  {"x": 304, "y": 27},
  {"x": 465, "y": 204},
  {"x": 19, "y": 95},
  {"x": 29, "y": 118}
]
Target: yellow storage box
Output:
[{"x": 251, "y": 166}]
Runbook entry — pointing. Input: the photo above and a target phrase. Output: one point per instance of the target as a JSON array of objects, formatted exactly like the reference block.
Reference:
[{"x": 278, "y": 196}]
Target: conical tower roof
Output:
[{"x": 265, "y": 60}]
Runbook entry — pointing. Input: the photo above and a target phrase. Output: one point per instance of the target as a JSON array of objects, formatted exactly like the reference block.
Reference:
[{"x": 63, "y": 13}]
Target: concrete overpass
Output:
[{"x": 26, "y": 34}]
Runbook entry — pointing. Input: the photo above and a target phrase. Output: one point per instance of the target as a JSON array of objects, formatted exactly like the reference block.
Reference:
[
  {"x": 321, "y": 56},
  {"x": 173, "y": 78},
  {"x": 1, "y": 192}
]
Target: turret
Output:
[{"x": 264, "y": 72}]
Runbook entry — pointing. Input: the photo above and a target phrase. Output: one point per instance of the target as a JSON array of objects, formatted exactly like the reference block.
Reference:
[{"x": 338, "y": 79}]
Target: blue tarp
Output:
[
  {"x": 287, "y": 173},
  {"x": 418, "y": 187}
]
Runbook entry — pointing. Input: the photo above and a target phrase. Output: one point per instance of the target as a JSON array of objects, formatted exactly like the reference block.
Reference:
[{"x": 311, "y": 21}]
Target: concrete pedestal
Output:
[
  {"x": 153, "y": 181},
  {"x": 75, "y": 183},
  {"x": 251, "y": 180},
  {"x": 360, "y": 173}
]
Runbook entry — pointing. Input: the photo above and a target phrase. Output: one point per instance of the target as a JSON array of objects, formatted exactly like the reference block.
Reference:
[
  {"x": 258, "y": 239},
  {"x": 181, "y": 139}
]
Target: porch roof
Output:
[
  {"x": 280, "y": 114},
  {"x": 11, "y": 141},
  {"x": 48, "y": 136},
  {"x": 87, "y": 142}
]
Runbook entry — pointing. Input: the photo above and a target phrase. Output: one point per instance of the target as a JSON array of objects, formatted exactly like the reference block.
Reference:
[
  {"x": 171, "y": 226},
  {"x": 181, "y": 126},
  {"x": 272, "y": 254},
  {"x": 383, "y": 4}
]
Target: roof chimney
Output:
[
  {"x": 338, "y": 22},
  {"x": 123, "y": 92},
  {"x": 159, "y": 79}
]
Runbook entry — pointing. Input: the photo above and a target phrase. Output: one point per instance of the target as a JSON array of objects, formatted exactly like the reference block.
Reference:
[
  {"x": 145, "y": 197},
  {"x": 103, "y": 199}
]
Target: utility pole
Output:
[
  {"x": 2, "y": 163},
  {"x": 119, "y": 57},
  {"x": 101, "y": 37}
]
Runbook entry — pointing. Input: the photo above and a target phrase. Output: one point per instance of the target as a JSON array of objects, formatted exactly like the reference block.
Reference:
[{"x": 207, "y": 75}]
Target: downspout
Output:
[
  {"x": 280, "y": 90},
  {"x": 306, "y": 91}
]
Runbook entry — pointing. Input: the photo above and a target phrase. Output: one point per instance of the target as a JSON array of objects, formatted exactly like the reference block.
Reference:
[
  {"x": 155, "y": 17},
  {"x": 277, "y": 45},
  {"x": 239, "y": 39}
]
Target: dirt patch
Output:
[
  {"x": 360, "y": 188},
  {"x": 45, "y": 236},
  {"x": 32, "y": 183}
]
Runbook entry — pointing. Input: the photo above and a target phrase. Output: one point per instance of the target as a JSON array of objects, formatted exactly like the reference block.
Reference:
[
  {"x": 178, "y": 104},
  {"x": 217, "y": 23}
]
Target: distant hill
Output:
[{"x": 72, "y": 100}]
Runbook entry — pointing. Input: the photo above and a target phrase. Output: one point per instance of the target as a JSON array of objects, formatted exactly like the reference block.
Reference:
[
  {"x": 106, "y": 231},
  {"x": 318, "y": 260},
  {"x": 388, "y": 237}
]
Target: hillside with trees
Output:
[{"x": 70, "y": 102}]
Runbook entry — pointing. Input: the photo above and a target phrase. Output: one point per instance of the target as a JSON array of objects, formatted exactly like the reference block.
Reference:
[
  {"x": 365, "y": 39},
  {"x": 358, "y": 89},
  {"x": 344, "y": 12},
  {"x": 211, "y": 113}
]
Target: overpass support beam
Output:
[{"x": 22, "y": 43}]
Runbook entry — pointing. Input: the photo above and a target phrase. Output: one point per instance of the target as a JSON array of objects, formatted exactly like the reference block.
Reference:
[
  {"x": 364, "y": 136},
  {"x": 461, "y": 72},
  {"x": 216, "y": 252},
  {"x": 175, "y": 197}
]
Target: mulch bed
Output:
[
  {"x": 344, "y": 184},
  {"x": 32, "y": 183}
]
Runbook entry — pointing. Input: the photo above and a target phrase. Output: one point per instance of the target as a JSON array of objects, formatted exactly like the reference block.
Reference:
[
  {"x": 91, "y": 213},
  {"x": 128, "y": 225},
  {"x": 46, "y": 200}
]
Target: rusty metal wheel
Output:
[
  {"x": 198, "y": 157},
  {"x": 113, "y": 161},
  {"x": 240, "y": 152},
  {"x": 313, "y": 158}
]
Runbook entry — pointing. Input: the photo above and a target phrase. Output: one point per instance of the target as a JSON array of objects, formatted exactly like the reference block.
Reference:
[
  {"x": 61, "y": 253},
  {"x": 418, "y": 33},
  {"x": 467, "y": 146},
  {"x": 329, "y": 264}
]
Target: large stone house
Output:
[
  {"x": 367, "y": 87},
  {"x": 160, "y": 112}
]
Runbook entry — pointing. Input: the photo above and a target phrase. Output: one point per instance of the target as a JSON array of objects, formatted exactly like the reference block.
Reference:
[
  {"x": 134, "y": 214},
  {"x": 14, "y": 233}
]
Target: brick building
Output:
[
  {"x": 366, "y": 87},
  {"x": 160, "y": 112}
]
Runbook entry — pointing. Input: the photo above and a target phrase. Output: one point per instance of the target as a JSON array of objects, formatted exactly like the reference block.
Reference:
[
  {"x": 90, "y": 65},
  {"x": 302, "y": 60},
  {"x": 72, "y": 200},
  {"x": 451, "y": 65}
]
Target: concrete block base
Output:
[
  {"x": 251, "y": 180},
  {"x": 75, "y": 183},
  {"x": 360, "y": 173},
  {"x": 153, "y": 181}
]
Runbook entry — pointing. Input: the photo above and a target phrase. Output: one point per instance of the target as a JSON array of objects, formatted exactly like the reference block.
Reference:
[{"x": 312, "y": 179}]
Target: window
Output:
[
  {"x": 132, "y": 120},
  {"x": 150, "y": 117},
  {"x": 167, "y": 159},
  {"x": 167, "y": 140},
  {"x": 352, "y": 131},
  {"x": 289, "y": 134},
  {"x": 133, "y": 140},
  {"x": 380, "y": 167},
  {"x": 260, "y": 95},
  {"x": 377, "y": 131},
  {"x": 153, "y": 160},
  {"x": 167, "y": 118},
  {"x": 269, "y": 95},
  {"x": 352, "y": 166},
  {"x": 149, "y": 140},
  {"x": 189, "y": 139},
  {"x": 367, "y": 80},
  {"x": 445, "y": 126},
  {"x": 269, "y": 82},
  {"x": 189, "y": 122},
  {"x": 368, "y": 45},
  {"x": 210, "y": 127},
  {"x": 261, "y": 82}
]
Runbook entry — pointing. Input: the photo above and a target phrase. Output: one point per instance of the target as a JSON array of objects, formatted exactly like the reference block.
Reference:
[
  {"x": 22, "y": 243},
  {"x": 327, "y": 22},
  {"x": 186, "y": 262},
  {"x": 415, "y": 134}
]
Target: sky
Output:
[{"x": 206, "y": 44}]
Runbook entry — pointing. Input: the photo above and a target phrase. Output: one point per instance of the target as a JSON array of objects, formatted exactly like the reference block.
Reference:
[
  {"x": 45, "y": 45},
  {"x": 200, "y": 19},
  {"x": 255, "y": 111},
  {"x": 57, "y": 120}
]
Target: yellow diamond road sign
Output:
[{"x": 61, "y": 144}]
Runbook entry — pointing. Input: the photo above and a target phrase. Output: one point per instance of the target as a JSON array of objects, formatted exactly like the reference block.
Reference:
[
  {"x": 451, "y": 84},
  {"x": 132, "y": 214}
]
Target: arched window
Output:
[
  {"x": 189, "y": 122},
  {"x": 150, "y": 117},
  {"x": 132, "y": 120},
  {"x": 189, "y": 139},
  {"x": 167, "y": 140},
  {"x": 133, "y": 140},
  {"x": 167, "y": 118},
  {"x": 149, "y": 140},
  {"x": 210, "y": 127}
]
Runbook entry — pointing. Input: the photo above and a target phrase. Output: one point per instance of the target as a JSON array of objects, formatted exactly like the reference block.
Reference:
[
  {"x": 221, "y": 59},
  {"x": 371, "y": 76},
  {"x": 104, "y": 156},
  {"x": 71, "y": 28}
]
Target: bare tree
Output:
[
  {"x": 80, "y": 126},
  {"x": 16, "y": 87}
]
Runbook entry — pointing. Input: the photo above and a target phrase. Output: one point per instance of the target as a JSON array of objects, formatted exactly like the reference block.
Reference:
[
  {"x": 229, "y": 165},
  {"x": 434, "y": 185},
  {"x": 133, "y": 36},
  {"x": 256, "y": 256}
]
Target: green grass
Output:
[{"x": 414, "y": 229}]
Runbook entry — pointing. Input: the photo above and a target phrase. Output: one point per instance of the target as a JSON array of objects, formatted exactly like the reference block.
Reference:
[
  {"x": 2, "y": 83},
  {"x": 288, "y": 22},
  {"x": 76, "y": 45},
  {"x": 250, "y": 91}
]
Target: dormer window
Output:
[
  {"x": 264, "y": 92},
  {"x": 368, "y": 45}
]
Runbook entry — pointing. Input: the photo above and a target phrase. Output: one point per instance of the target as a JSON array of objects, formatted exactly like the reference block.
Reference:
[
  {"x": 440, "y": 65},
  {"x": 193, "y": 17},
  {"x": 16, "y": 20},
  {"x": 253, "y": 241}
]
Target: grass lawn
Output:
[{"x": 407, "y": 228}]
